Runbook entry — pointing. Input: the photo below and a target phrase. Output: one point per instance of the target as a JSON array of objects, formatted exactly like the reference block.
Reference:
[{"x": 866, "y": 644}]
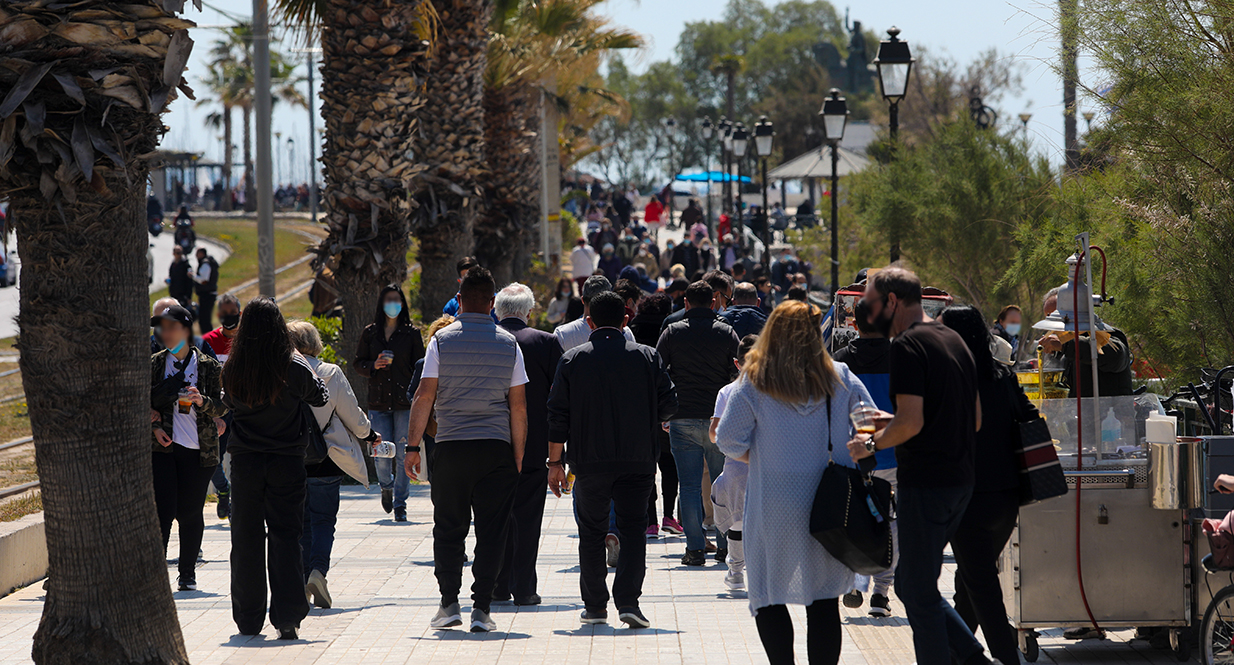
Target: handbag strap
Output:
[{"x": 829, "y": 448}]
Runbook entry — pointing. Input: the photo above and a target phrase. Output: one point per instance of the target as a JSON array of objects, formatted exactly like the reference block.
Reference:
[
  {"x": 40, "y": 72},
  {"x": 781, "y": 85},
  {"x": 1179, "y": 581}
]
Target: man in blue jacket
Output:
[
  {"x": 745, "y": 316},
  {"x": 868, "y": 356}
]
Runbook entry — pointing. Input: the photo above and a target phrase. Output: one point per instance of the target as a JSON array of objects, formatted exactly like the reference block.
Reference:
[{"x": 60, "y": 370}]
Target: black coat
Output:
[
  {"x": 181, "y": 285},
  {"x": 647, "y": 328},
  {"x": 1003, "y": 407},
  {"x": 687, "y": 255},
  {"x": 608, "y": 399},
  {"x": 699, "y": 351},
  {"x": 541, "y": 352},
  {"x": 387, "y": 387}
]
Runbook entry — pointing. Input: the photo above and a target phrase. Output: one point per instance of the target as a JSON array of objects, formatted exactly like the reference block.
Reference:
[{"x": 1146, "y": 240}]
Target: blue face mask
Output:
[
  {"x": 393, "y": 308},
  {"x": 178, "y": 347},
  {"x": 1012, "y": 329}
]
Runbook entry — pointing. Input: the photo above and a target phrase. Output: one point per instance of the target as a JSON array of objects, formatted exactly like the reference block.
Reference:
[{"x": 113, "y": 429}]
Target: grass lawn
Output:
[{"x": 20, "y": 507}]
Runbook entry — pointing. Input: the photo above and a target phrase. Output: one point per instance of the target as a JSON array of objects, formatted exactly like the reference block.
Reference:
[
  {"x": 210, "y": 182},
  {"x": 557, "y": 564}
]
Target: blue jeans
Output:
[
  {"x": 928, "y": 517},
  {"x": 392, "y": 426},
  {"x": 320, "y": 514},
  {"x": 694, "y": 452}
]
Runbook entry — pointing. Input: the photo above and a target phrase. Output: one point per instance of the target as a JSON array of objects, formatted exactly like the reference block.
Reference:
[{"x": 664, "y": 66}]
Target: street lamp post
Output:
[
  {"x": 1088, "y": 118},
  {"x": 725, "y": 127},
  {"x": 1024, "y": 118},
  {"x": 835, "y": 119},
  {"x": 763, "y": 134},
  {"x": 740, "y": 138},
  {"x": 669, "y": 125},
  {"x": 708, "y": 130},
  {"x": 894, "y": 63}
]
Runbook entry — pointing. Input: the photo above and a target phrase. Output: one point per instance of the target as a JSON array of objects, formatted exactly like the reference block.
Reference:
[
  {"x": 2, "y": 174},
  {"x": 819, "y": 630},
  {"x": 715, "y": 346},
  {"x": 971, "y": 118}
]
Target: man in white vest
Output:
[{"x": 474, "y": 378}]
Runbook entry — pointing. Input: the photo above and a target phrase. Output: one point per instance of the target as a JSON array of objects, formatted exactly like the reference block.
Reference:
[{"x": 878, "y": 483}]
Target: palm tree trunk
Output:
[
  {"x": 512, "y": 190},
  {"x": 85, "y": 369},
  {"x": 228, "y": 159},
  {"x": 250, "y": 187}
]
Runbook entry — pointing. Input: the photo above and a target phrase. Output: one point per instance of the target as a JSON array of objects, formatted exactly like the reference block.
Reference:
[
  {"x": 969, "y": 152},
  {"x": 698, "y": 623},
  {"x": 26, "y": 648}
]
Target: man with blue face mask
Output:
[{"x": 1007, "y": 326}]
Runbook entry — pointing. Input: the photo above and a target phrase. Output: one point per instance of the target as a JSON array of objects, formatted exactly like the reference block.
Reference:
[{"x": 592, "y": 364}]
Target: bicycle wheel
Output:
[{"x": 1217, "y": 630}]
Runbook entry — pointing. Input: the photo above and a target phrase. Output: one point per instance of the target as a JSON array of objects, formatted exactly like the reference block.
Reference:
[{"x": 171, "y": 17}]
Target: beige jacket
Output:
[{"x": 343, "y": 423}]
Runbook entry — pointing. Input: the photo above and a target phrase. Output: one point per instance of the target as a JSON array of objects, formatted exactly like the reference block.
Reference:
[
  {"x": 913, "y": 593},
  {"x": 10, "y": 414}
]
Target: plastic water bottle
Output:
[
  {"x": 383, "y": 449},
  {"x": 1111, "y": 428}
]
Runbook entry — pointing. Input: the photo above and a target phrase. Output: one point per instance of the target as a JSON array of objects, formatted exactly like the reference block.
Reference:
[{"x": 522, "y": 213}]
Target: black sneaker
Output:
[
  {"x": 694, "y": 558},
  {"x": 852, "y": 599},
  {"x": 523, "y": 601},
  {"x": 879, "y": 605},
  {"x": 722, "y": 555},
  {"x": 288, "y": 633},
  {"x": 224, "y": 507},
  {"x": 632, "y": 617},
  {"x": 186, "y": 583},
  {"x": 400, "y": 514},
  {"x": 387, "y": 500},
  {"x": 592, "y": 618}
]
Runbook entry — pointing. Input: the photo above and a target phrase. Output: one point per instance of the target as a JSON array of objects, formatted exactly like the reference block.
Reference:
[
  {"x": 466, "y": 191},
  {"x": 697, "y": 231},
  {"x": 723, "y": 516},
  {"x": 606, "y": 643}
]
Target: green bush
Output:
[{"x": 331, "y": 331}]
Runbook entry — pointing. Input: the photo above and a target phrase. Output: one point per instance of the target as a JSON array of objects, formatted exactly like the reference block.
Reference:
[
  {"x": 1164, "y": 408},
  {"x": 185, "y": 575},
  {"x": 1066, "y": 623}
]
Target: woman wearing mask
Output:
[
  {"x": 559, "y": 306},
  {"x": 387, "y": 355},
  {"x": 609, "y": 263},
  {"x": 268, "y": 385},
  {"x": 790, "y": 394},
  {"x": 186, "y": 393},
  {"x": 666, "y": 260},
  {"x": 1007, "y": 326},
  {"x": 995, "y": 506},
  {"x": 706, "y": 257},
  {"x": 345, "y": 456}
]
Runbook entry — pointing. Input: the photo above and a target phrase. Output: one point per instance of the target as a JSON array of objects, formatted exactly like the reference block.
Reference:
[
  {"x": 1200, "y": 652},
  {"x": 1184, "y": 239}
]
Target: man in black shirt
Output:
[{"x": 938, "y": 413}]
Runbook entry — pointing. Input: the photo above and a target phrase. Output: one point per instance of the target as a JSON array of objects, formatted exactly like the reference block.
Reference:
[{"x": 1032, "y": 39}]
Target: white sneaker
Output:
[
  {"x": 481, "y": 622},
  {"x": 735, "y": 581},
  {"x": 447, "y": 617}
]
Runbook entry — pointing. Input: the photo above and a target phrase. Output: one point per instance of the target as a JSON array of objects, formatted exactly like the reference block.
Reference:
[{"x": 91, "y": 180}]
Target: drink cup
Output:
[
  {"x": 184, "y": 401},
  {"x": 864, "y": 418}
]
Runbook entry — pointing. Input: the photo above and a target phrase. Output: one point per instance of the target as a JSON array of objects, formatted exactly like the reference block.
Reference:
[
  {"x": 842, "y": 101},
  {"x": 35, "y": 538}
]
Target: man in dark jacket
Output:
[
  {"x": 699, "y": 351},
  {"x": 541, "y": 351},
  {"x": 608, "y": 399},
  {"x": 745, "y": 316},
  {"x": 686, "y": 254},
  {"x": 180, "y": 278},
  {"x": 207, "y": 279},
  {"x": 720, "y": 282}
]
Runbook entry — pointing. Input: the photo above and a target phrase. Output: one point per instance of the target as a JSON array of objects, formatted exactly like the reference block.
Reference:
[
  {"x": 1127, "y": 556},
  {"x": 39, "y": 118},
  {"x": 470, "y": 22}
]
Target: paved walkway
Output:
[{"x": 384, "y": 592}]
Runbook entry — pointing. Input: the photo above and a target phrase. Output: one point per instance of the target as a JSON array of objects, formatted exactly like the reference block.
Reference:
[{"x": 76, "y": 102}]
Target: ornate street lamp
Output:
[
  {"x": 835, "y": 119},
  {"x": 708, "y": 130},
  {"x": 894, "y": 63},
  {"x": 763, "y": 134},
  {"x": 1024, "y": 118},
  {"x": 738, "y": 140},
  {"x": 1088, "y": 117}
]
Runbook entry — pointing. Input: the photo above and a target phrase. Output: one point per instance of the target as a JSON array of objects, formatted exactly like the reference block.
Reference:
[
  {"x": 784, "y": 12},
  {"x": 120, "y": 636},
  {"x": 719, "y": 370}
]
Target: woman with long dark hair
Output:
[
  {"x": 646, "y": 324},
  {"x": 268, "y": 386},
  {"x": 995, "y": 506},
  {"x": 387, "y": 355},
  {"x": 561, "y": 304}
]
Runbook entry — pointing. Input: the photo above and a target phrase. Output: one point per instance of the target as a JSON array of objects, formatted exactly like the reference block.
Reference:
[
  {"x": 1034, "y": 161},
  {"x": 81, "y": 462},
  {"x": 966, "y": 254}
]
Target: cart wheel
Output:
[
  {"x": 1217, "y": 629},
  {"x": 1180, "y": 644},
  {"x": 1028, "y": 645}
]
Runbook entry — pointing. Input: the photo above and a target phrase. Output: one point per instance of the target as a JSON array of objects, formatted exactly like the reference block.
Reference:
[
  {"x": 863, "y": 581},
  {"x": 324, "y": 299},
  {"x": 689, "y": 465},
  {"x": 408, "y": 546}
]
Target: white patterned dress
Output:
[{"x": 788, "y": 451}]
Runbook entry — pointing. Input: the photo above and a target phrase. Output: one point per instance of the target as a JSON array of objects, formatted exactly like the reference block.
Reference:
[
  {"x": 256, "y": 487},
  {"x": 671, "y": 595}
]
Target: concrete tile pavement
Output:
[{"x": 384, "y": 594}]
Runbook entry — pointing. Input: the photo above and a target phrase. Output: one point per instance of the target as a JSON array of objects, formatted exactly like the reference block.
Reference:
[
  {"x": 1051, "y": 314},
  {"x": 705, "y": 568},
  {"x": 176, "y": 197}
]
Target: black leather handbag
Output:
[
  {"x": 852, "y": 515},
  {"x": 317, "y": 449}
]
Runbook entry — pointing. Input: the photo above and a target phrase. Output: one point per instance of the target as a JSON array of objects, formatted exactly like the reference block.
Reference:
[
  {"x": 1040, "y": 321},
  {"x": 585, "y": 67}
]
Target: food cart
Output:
[{"x": 1123, "y": 548}]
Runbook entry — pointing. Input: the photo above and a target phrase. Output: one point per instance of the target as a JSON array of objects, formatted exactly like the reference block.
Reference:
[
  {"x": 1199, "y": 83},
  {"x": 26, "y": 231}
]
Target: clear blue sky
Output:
[{"x": 960, "y": 28}]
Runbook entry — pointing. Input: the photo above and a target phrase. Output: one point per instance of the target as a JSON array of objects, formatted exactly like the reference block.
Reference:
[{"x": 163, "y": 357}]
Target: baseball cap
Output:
[{"x": 174, "y": 313}]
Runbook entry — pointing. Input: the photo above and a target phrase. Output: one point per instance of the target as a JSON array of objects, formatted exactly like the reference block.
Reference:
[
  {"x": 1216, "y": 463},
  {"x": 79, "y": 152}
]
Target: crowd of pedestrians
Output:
[{"x": 734, "y": 400}]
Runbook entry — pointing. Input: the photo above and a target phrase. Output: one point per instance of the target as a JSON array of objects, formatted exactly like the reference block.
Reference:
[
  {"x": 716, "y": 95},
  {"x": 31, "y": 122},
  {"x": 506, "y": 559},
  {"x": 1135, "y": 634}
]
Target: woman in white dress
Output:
[{"x": 789, "y": 403}]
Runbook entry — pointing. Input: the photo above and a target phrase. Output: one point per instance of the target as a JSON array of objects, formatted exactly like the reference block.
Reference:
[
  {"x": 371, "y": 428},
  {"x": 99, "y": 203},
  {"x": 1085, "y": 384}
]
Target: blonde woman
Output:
[{"x": 790, "y": 405}]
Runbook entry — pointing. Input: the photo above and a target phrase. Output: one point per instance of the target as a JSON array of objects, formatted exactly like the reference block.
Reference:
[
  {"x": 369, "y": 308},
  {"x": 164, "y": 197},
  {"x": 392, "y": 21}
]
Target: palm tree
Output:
[
  {"x": 221, "y": 84},
  {"x": 535, "y": 42},
  {"x": 451, "y": 146},
  {"x": 373, "y": 67},
  {"x": 83, "y": 90}
]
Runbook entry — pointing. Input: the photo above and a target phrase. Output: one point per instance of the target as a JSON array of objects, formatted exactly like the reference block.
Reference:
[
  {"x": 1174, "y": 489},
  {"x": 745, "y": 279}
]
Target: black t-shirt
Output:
[{"x": 931, "y": 361}]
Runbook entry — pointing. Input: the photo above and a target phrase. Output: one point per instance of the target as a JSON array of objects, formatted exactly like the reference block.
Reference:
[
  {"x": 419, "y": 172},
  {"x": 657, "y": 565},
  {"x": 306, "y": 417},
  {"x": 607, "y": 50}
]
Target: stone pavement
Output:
[{"x": 384, "y": 594}]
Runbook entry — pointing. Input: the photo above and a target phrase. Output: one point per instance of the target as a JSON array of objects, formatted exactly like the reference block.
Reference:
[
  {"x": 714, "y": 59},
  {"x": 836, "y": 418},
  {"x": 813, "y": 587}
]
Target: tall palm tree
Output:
[
  {"x": 535, "y": 42},
  {"x": 83, "y": 87},
  {"x": 451, "y": 146},
  {"x": 375, "y": 58},
  {"x": 221, "y": 84}
]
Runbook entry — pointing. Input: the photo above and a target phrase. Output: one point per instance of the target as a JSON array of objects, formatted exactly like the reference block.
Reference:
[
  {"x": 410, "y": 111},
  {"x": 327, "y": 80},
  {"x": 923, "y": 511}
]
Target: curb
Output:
[{"x": 23, "y": 553}]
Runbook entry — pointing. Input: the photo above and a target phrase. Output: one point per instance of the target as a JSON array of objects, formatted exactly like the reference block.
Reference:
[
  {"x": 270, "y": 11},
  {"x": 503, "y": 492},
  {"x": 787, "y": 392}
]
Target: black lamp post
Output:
[
  {"x": 763, "y": 134},
  {"x": 894, "y": 63},
  {"x": 835, "y": 119},
  {"x": 708, "y": 130},
  {"x": 669, "y": 125},
  {"x": 740, "y": 138},
  {"x": 725, "y": 129}
]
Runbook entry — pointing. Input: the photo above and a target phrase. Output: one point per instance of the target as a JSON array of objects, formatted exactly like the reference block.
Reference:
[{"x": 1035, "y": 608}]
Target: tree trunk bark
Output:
[
  {"x": 250, "y": 187},
  {"x": 85, "y": 369},
  {"x": 441, "y": 246},
  {"x": 228, "y": 160},
  {"x": 357, "y": 293}
]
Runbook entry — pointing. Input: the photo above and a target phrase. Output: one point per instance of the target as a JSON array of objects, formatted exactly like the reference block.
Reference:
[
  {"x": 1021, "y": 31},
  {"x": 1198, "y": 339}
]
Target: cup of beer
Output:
[
  {"x": 185, "y": 401},
  {"x": 864, "y": 418}
]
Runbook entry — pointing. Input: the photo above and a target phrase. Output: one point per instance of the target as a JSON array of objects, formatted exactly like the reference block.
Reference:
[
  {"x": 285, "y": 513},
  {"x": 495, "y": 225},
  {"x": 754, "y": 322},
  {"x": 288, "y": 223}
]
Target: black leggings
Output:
[
  {"x": 180, "y": 483},
  {"x": 668, "y": 481},
  {"x": 823, "y": 636}
]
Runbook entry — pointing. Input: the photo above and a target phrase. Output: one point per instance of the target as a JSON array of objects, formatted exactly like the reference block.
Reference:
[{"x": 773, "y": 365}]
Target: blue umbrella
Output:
[{"x": 713, "y": 176}]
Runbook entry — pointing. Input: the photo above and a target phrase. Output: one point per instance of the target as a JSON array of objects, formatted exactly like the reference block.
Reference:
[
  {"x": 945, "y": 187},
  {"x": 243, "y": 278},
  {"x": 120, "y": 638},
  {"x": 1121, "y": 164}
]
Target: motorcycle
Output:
[
  {"x": 185, "y": 237},
  {"x": 155, "y": 225}
]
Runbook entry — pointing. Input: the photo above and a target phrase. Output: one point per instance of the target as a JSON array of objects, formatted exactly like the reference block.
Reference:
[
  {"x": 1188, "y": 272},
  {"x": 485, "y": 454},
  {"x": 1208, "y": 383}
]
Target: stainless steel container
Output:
[{"x": 1176, "y": 474}]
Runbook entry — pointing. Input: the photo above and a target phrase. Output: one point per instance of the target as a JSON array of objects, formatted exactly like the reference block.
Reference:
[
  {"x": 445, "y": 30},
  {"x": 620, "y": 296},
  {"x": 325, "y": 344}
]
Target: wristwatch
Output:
[
  {"x": 412, "y": 449},
  {"x": 871, "y": 446}
]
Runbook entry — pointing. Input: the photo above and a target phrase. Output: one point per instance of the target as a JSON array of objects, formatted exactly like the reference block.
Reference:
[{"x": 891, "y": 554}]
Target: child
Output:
[{"x": 728, "y": 492}]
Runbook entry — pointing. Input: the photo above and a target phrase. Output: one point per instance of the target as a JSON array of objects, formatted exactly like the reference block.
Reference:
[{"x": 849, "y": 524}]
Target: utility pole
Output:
[
  {"x": 550, "y": 183},
  {"x": 312, "y": 109},
  {"x": 1071, "y": 74},
  {"x": 263, "y": 175}
]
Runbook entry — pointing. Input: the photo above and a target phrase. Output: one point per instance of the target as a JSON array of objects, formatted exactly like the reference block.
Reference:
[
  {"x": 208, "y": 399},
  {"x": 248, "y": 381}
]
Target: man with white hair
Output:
[{"x": 541, "y": 351}]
